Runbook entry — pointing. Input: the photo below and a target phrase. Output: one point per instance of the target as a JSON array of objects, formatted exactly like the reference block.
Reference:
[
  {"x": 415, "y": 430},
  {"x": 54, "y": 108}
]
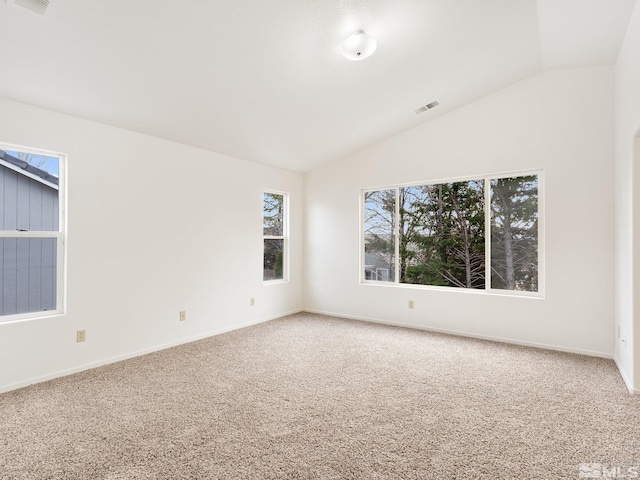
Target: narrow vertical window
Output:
[
  {"x": 31, "y": 228},
  {"x": 274, "y": 226},
  {"x": 514, "y": 233},
  {"x": 379, "y": 235}
]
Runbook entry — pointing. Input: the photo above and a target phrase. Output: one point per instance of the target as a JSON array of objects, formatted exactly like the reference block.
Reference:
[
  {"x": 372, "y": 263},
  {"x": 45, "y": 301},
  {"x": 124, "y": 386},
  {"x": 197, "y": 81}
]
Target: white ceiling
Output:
[{"x": 264, "y": 80}]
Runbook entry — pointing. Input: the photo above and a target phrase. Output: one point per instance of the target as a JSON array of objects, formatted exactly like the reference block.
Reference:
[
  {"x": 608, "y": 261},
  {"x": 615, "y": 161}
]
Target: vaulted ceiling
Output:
[{"x": 264, "y": 80}]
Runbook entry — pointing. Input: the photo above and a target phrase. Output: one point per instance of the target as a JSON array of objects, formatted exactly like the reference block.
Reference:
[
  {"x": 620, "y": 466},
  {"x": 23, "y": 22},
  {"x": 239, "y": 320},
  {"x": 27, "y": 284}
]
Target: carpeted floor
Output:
[{"x": 312, "y": 397}]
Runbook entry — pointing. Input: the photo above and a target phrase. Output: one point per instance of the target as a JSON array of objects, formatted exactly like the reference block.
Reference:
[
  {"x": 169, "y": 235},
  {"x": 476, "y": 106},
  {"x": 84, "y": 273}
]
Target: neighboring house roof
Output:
[
  {"x": 374, "y": 260},
  {"x": 27, "y": 169}
]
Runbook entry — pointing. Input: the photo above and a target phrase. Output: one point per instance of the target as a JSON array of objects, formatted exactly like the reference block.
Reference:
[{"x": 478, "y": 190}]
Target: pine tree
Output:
[{"x": 514, "y": 233}]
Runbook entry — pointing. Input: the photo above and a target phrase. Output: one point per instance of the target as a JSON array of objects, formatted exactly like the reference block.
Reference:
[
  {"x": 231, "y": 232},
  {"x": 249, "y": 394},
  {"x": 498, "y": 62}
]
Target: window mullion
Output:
[
  {"x": 397, "y": 235},
  {"x": 487, "y": 233}
]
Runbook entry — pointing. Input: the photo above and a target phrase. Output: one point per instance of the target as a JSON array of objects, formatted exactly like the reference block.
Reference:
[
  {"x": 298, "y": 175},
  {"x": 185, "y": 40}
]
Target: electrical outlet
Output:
[
  {"x": 81, "y": 336},
  {"x": 253, "y": 302},
  {"x": 618, "y": 331},
  {"x": 183, "y": 315},
  {"x": 411, "y": 304}
]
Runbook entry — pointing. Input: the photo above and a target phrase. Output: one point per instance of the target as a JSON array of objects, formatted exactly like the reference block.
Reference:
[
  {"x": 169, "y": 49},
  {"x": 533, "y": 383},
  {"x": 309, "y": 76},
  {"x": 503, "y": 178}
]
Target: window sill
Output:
[
  {"x": 27, "y": 317},
  {"x": 274, "y": 282},
  {"x": 471, "y": 291}
]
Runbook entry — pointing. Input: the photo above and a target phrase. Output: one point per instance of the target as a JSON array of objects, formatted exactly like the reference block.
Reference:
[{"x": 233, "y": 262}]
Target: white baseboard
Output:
[
  {"x": 137, "y": 353},
  {"x": 625, "y": 378},
  {"x": 80, "y": 368},
  {"x": 466, "y": 334}
]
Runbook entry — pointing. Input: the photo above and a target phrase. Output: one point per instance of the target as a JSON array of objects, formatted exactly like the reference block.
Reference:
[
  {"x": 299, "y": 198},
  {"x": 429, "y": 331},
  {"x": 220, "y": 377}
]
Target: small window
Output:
[
  {"x": 31, "y": 233},
  {"x": 274, "y": 227},
  {"x": 379, "y": 235}
]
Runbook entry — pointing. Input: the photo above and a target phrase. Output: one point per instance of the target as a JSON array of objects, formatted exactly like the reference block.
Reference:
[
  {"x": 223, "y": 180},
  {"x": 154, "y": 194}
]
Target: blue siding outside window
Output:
[{"x": 28, "y": 266}]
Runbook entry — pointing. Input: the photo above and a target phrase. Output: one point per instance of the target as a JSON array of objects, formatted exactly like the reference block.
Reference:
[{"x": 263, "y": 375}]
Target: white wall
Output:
[
  {"x": 561, "y": 121},
  {"x": 627, "y": 182},
  {"x": 154, "y": 227}
]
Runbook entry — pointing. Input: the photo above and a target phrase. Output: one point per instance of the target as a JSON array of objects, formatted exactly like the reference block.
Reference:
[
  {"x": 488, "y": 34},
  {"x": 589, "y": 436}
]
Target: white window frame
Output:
[
  {"x": 59, "y": 235},
  {"x": 487, "y": 193},
  {"x": 284, "y": 237}
]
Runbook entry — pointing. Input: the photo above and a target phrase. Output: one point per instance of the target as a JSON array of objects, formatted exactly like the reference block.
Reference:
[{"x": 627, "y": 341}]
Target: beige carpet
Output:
[{"x": 312, "y": 397}]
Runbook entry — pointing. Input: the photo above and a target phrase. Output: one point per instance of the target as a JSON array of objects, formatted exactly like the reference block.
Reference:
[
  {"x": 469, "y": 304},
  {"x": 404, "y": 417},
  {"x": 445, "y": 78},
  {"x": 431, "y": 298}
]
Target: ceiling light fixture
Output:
[
  {"x": 37, "y": 6},
  {"x": 359, "y": 46}
]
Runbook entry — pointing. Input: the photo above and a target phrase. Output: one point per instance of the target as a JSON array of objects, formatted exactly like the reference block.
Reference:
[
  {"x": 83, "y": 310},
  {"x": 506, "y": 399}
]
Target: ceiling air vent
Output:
[
  {"x": 38, "y": 6},
  {"x": 428, "y": 106}
]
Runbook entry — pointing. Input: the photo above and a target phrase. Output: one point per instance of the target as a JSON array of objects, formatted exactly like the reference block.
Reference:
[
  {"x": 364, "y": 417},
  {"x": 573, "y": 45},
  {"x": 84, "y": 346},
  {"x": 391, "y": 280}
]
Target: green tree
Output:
[
  {"x": 279, "y": 265},
  {"x": 442, "y": 239},
  {"x": 514, "y": 233},
  {"x": 273, "y": 210}
]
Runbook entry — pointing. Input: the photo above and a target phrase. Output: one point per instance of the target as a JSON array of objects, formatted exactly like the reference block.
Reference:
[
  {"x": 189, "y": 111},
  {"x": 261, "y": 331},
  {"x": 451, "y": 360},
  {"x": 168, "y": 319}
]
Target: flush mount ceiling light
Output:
[
  {"x": 37, "y": 6},
  {"x": 359, "y": 46}
]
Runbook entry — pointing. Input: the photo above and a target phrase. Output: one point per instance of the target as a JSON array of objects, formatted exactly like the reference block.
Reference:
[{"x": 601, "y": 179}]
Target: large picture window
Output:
[
  {"x": 480, "y": 233},
  {"x": 31, "y": 233},
  {"x": 274, "y": 226}
]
